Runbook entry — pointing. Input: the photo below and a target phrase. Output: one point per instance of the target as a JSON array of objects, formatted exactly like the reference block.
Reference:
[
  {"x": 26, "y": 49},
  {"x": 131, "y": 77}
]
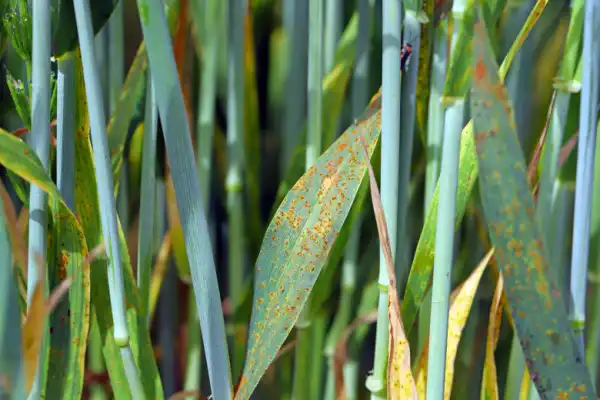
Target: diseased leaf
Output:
[
  {"x": 18, "y": 157},
  {"x": 457, "y": 84},
  {"x": 298, "y": 241},
  {"x": 460, "y": 307},
  {"x": 536, "y": 304},
  {"x": 489, "y": 384},
  {"x": 401, "y": 383}
]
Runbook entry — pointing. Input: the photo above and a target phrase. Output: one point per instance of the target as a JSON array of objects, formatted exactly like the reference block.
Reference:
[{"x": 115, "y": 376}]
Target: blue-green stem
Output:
[
  {"x": 40, "y": 141},
  {"x": 295, "y": 20},
  {"x": 390, "y": 154},
  {"x": 408, "y": 111},
  {"x": 65, "y": 131},
  {"x": 435, "y": 130},
  {"x": 115, "y": 67},
  {"x": 105, "y": 192},
  {"x": 553, "y": 143},
  {"x": 147, "y": 200},
  {"x": 302, "y": 358},
  {"x": 444, "y": 251},
  {"x": 586, "y": 149},
  {"x": 333, "y": 29},
  {"x": 187, "y": 193},
  {"x": 235, "y": 156}
]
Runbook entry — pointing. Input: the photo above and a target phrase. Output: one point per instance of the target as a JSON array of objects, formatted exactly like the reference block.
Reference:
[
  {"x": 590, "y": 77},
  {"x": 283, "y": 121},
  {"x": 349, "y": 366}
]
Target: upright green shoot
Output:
[
  {"x": 104, "y": 181},
  {"x": 390, "y": 155}
]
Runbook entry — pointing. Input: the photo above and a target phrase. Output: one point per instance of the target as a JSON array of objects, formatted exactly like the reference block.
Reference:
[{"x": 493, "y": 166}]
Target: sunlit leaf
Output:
[
  {"x": 298, "y": 241},
  {"x": 489, "y": 385},
  {"x": 536, "y": 304}
]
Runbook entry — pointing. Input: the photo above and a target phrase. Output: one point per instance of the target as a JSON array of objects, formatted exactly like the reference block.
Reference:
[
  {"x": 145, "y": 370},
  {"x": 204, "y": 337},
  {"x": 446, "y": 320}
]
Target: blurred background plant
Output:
[{"x": 185, "y": 209}]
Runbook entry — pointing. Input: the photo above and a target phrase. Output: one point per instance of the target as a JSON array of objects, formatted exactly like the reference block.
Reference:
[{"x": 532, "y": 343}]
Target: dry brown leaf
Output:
[{"x": 400, "y": 381}]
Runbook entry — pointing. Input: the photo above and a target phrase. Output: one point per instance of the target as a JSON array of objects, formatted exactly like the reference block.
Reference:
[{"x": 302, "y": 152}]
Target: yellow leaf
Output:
[
  {"x": 489, "y": 388},
  {"x": 460, "y": 307}
]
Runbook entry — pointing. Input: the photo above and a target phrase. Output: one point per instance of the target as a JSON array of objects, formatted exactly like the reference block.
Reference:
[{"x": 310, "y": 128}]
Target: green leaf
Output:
[
  {"x": 88, "y": 209},
  {"x": 299, "y": 239},
  {"x": 536, "y": 304},
  {"x": 68, "y": 322},
  {"x": 19, "y": 96}
]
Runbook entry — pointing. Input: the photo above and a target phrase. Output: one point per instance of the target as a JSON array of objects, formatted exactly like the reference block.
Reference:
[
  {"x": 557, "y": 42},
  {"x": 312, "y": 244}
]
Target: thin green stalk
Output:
[
  {"x": 444, "y": 251},
  {"x": 65, "y": 132},
  {"x": 586, "y": 148},
  {"x": 408, "y": 112},
  {"x": 360, "y": 98},
  {"x": 390, "y": 154},
  {"x": 147, "y": 200},
  {"x": 115, "y": 77},
  {"x": 435, "y": 129},
  {"x": 213, "y": 17},
  {"x": 304, "y": 334},
  {"x": 105, "y": 192},
  {"x": 295, "y": 20},
  {"x": 40, "y": 141},
  {"x": 549, "y": 162},
  {"x": 235, "y": 155},
  {"x": 187, "y": 192},
  {"x": 333, "y": 29}
]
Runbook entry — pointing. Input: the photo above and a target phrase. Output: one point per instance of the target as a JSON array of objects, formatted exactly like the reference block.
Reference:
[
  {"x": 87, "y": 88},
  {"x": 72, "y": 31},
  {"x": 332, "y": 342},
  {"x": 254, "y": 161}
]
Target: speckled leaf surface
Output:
[
  {"x": 537, "y": 307},
  {"x": 461, "y": 301},
  {"x": 489, "y": 383},
  {"x": 70, "y": 320},
  {"x": 299, "y": 239}
]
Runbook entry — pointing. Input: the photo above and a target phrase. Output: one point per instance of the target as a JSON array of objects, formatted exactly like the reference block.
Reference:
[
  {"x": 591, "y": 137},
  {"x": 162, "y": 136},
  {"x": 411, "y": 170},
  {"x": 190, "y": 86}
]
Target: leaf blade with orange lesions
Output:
[
  {"x": 298, "y": 242},
  {"x": 20, "y": 158},
  {"x": 536, "y": 305}
]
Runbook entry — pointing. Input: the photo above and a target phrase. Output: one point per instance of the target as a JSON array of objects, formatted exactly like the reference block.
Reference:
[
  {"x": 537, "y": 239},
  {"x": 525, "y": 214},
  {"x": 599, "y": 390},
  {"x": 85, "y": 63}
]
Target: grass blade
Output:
[
  {"x": 536, "y": 305},
  {"x": 176, "y": 132}
]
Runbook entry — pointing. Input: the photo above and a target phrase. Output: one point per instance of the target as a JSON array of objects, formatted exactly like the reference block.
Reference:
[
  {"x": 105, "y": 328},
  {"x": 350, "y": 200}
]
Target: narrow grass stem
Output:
[
  {"x": 390, "y": 154},
  {"x": 105, "y": 191},
  {"x": 147, "y": 199},
  {"x": 65, "y": 131},
  {"x": 586, "y": 149},
  {"x": 302, "y": 359},
  {"x": 40, "y": 141},
  {"x": 444, "y": 251},
  {"x": 408, "y": 112},
  {"x": 187, "y": 192},
  {"x": 235, "y": 155}
]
